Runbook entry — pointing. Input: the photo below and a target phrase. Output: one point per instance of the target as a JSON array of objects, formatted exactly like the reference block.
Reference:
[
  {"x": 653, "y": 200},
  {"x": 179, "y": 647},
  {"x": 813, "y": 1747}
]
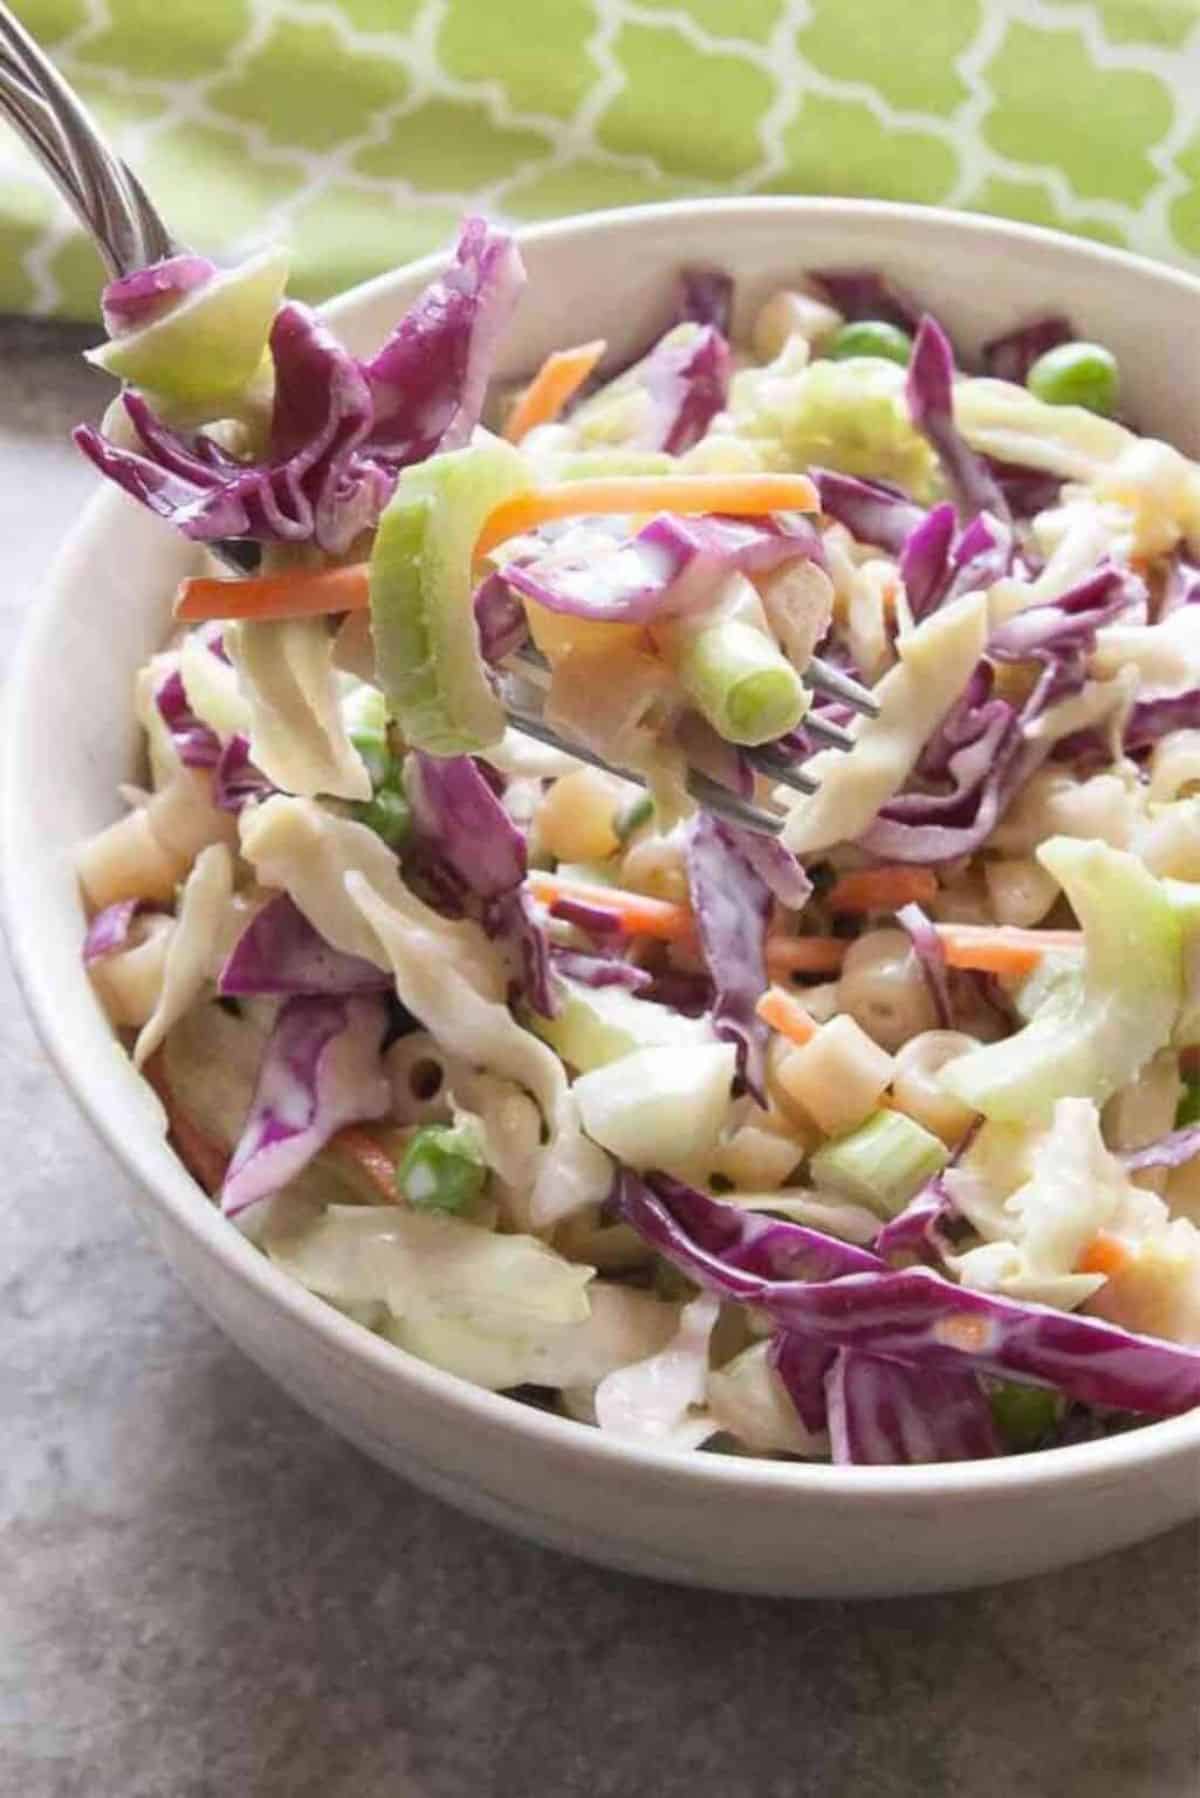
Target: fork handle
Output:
[{"x": 106, "y": 197}]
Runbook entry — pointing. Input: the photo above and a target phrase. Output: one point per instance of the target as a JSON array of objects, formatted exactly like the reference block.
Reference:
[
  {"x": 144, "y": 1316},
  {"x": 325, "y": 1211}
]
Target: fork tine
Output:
[
  {"x": 779, "y": 768},
  {"x": 710, "y": 794},
  {"x": 827, "y": 679},
  {"x": 825, "y": 731}
]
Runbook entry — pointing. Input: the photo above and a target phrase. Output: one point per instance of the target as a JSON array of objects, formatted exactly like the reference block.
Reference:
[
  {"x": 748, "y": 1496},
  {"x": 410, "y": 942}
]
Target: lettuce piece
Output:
[
  {"x": 1096, "y": 1030},
  {"x": 660, "y": 1400},
  {"x": 622, "y": 1326},
  {"x": 1075, "y": 1188},
  {"x": 849, "y": 416},
  {"x": 422, "y": 618},
  {"x": 297, "y": 734},
  {"x": 198, "y": 357},
  {"x": 423, "y": 1263},
  {"x": 600, "y": 1024},
  {"x": 936, "y": 663},
  {"x": 660, "y": 1107}
]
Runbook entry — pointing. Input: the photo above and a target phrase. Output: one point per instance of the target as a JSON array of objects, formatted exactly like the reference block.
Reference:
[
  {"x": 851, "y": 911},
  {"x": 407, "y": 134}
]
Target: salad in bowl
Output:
[{"x": 847, "y": 1112}]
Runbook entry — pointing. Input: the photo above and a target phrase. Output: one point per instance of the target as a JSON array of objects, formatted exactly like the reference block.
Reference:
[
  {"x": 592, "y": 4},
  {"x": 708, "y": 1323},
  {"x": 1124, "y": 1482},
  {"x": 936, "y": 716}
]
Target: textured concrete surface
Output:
[{"x": 203, "y": 1594}]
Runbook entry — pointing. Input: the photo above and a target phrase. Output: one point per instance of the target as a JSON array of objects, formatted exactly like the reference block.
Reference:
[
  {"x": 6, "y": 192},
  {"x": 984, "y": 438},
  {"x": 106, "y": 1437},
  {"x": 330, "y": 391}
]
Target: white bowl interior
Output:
[{"x": 71, "y": 739}]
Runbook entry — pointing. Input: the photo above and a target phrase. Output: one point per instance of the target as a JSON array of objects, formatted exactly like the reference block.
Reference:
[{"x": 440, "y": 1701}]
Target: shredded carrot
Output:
[
  {"x": 296, "y": 593},
  {"x": 1001, "y": 949},
  {"x": 745, "y": 496},
  {"x": 882, "y": 889},
  {"x": 1104, "y": 1254},
  {"x": 360, "y": 1147},
  {"x": 637, "y": 914},
  {"x": 561, "y": 376},
  {"x": 784, "y": 1012},
  {"x": 804, "y": 955}
]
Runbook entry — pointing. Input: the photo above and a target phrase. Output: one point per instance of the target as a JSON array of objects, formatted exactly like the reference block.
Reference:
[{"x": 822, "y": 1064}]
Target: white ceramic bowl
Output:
[{"x": 754, "y": 1526}]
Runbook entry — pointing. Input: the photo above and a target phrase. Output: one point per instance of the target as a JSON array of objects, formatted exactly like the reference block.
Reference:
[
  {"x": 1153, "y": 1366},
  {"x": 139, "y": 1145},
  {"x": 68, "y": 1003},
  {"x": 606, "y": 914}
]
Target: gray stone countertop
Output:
[{"x": 205, "y": 1594}]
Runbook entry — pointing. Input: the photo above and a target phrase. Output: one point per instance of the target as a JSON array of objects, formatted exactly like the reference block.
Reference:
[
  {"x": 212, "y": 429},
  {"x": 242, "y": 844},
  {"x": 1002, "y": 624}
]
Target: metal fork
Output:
[{"x": 113, "y": 207}]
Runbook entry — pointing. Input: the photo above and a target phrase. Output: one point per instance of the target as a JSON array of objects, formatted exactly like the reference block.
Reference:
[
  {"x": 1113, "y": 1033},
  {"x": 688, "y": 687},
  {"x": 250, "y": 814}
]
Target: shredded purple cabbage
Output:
[
  {"x": 687, "y": 384},
  {"x": 929, "y": 390},
  {"x": 775, "y": 866},
  {"x": 927, "y": 946},
  {"x": 802, "y": 1365},
  {"x": 1182, "y": 587},
  {"x": 916, "y": 1232},
  {"x": 884, "y": 1414},
  {"x": 237, "y": 782},
  {"x": 321, "y": 1070},
  {"x": 599, "y": 970},
  {"x": 1027, "y": 491},
  {"x": 464, "y": 828},
  {"x": 725, "y": 1248},
  {"x": 912, "y": 1314},
  {"x": 135, "y": 300},
  {"x": 706, "y": 298},
  {"x": 196, "y": 745},
  {"x": 499, "y": 618},
  {"x": 340, "y": 429},
  {"x": 1173, "y": 1150},
  {"x": 863, "y": 293},
  {"x": 280, "y": 952},
  {"x": 980, "y": 756},
  {"x": 1011, "y": 356},
  {"x": 597, "y": 920},
  {"x": 872, "y": 511},
  {"x": 732, "y": 905},
  {"x": 925, "y": 560},
  {"x": 427, "y": 383},
  {"x": 108, "y": 932}
]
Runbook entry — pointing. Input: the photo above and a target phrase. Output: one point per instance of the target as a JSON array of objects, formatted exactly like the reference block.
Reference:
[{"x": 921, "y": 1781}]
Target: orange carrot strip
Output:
[
  {"x": 360, "y": 1147},
  {"x": 1003, "y": 949},
  {"x": 804, "y": 955},
  {"x": 638, "y": 915},
  {"x": 297, "y": 593},
  {"x": 882, "y": 889},
  {"x": 1104, "y": 1254},
  {"x": 783, "y": 1012},
  {"x": 561, "y": 375},
  {"x": 745, "y": 496}
]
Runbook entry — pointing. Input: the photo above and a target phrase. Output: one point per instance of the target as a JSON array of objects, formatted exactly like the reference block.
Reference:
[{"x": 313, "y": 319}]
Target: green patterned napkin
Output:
[{"x": 362, "y": 129}]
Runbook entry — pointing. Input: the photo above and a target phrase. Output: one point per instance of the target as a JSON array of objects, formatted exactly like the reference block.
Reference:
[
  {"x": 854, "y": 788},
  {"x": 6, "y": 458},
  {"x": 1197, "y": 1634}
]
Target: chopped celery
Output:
[
  {"x": 199, "y": 358},
  {"x": 1095, "y": 1030},
  {"x": 883, "y": 1163},
  {"x": 426, "y": 641},
  {"x": 601, "y": 1024},
  {"x": 737, "y": 677},
  {"x": 661, "y": 1107}
]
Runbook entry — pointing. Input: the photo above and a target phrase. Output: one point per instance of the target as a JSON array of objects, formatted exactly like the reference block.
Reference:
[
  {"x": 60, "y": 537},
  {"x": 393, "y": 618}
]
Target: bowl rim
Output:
[{"x": 360, "y": 1352}]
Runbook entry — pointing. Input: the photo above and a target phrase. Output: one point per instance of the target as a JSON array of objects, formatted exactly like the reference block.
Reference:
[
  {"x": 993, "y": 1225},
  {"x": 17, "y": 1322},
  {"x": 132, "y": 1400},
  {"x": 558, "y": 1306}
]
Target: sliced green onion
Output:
[
  {"x": 871, "y": 337},
  {"x": 440, "y": 1169},
  {"x": 1188, "y": 1109},
  {"x": 1076, "y": 374},
  {"x": 884, "y": 1162},
  {"x": 738, "y": 678}
]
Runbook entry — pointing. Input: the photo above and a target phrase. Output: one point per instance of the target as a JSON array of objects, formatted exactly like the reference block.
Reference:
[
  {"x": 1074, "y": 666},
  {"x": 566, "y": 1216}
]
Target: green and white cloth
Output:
[{"x": 361, "y": 130}]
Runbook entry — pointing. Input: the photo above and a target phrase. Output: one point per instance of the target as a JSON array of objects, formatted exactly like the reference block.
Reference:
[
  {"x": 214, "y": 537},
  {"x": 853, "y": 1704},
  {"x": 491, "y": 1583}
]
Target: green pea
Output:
[
  {"x": 1025, "y": 1415},
  {"x": 871, "y": 337},
  {"x": 440, "y": 1169},
  {"x": 1076, "y": 374},
  {"x": 387, "y": 814}
]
